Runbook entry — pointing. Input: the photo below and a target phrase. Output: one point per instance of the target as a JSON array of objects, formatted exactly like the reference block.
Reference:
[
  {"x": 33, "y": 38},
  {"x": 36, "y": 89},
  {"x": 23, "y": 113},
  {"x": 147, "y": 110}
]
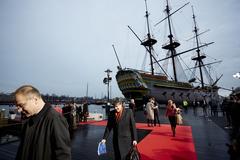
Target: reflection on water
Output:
[
  {"x": 6, "y": 133},
  {"x": 4, "y": 109},
  {"x": 92, "y": 109},
  {"x": 97, "y": 109},
  {"x": 7, "y": 138}
]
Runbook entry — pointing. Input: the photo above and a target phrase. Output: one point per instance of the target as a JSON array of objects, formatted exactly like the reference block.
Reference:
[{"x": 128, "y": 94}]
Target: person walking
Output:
[
  {"x": 156, "y": 113},
  {"x": 85, "y": 111},
  {"x": 45, "y": 132},
  {"x": 150, "y": 112},
  {"x": 122, "y": 122},
  {"x": 79, "y": 113},
  {"x": 185, "y": 106},
  {"x": 204, "y": 107},
  {"x": 132, "y": 106},
  {"x": 67, "y": 113},
  {"x": 194, "y": 105},
  {"x": 171, "y": 114}
]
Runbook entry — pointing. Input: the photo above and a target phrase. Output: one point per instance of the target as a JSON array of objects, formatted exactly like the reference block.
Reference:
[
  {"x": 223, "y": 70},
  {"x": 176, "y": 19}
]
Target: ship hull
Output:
[{"x": 141, "y": 86}]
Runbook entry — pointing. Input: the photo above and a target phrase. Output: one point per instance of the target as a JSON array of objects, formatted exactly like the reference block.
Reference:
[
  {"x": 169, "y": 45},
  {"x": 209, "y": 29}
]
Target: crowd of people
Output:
[
  {"x": 74, "y": 114},
  {"x": 231, "y": 109},
  {"x": 173, "y": 113},
  {"x": 50, "y": 129}
]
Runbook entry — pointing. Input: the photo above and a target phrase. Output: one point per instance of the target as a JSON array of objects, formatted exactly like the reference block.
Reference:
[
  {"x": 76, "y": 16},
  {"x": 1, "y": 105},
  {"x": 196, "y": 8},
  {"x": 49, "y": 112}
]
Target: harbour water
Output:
[
  {"x": 92, "y": 109},
  {"x": 5, "y": 114}
]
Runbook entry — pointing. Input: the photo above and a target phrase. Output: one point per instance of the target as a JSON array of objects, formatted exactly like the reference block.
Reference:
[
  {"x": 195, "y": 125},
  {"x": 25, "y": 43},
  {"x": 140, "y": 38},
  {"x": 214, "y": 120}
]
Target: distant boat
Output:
[
  {"x": 141, "y": 84},
  {"x": 95, "y": 116}
]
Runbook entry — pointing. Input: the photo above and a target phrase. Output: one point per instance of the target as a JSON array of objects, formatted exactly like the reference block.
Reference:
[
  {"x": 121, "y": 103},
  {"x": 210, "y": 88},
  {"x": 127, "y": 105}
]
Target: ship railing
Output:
[
  {"x": 147, "y": 72},
  {"x": 175, "y": 84}
]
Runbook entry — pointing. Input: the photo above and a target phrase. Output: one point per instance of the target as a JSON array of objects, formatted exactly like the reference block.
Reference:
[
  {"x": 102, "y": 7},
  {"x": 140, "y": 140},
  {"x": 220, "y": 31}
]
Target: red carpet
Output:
[{"x": 160, "y": 145}]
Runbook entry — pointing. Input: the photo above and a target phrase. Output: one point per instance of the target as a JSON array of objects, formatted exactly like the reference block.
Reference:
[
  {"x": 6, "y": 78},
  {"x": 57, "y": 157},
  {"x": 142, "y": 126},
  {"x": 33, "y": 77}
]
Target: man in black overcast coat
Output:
[
  {"x": 122, "y": 122},
  {"x": 45, "y": 133}
]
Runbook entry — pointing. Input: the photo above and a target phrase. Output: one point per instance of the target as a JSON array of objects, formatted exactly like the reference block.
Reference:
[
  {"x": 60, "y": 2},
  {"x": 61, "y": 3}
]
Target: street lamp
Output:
[
  {"x": 107, "y": 81},
  {"x": 237, "y": 75}
]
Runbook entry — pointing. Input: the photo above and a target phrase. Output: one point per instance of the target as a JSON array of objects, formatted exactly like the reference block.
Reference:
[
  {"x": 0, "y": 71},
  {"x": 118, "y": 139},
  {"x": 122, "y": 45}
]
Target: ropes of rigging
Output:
[
  {"x": 173, "y": 30},
  {"x": 193, "y": 72},
  {"x": 208, "y": 75},
  {"x": 144, "y": 61}
]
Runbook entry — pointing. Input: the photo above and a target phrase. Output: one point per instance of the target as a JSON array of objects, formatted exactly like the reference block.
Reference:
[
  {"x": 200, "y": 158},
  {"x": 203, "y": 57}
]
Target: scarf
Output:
[{"x": 118, "y": 116}]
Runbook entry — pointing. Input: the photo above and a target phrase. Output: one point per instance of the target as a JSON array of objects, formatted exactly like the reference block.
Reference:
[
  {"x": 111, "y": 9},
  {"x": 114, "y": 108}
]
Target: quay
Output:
[{"x": 200, "y": 137}]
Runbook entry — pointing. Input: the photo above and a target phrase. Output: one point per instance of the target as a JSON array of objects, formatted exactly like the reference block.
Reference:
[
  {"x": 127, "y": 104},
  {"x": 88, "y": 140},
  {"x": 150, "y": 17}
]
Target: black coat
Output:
[
  {"x": 132, "y": 106},
  {"x": 45, "y": 136},
  {"x": 124, "y": 133}
]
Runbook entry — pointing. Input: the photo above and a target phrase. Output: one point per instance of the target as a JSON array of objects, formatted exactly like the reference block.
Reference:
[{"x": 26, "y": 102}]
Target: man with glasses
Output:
[{"x": 45, "y": 132}]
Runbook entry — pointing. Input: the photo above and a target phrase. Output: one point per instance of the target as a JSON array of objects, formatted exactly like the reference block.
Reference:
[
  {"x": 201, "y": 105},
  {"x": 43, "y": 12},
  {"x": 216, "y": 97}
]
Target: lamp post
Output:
[
  {"x": 107, "y": 81},
  {"x": 237, "y": 75}
]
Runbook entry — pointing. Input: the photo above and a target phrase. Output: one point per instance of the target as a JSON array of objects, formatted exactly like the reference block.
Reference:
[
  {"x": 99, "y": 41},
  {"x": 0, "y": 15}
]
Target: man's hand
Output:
[{"x": 134, "y": 143}]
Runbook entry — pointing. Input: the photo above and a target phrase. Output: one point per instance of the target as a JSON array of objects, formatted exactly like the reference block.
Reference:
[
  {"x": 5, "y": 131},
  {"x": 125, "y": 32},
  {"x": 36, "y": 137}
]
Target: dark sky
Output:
[{"x": 60, "y": 46}]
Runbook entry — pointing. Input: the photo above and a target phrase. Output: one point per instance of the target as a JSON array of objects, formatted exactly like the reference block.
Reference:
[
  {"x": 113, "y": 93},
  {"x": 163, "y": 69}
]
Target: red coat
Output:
[{"x": 171, "y": 111}]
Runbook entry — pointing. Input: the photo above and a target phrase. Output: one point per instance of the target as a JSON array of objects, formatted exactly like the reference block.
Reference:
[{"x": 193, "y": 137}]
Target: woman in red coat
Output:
[{"x": 171, "y": 114}]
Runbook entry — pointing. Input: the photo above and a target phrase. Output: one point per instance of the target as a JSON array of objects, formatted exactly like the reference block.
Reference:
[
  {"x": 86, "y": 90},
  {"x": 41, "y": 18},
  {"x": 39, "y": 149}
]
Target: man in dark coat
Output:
[
  {"x": 79, "y": 114},
  {"x": 156, "y": 113},
  {"x": 68, "y": 114},
  {"x": 132, "y": 106},
  {"x": 45, "y": 133},
  {"x": 124, "y": 130},
  {"x": 85, "y": 111}
]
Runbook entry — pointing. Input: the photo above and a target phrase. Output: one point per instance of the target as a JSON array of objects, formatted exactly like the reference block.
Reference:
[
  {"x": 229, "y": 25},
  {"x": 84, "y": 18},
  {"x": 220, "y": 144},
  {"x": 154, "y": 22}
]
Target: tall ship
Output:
[{"x": 141, "y": 84}]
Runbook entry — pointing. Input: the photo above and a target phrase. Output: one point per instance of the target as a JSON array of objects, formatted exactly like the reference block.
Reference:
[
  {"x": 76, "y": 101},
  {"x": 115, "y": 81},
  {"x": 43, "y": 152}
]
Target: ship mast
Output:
[
  {"x": 149, "y": 41},
  {"x": 172, "y": 44},
  {"x": 199, "y": 57}
]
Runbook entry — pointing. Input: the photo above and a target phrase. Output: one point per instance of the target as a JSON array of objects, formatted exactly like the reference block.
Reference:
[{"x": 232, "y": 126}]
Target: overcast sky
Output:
[{"x": 61, "y": 45}]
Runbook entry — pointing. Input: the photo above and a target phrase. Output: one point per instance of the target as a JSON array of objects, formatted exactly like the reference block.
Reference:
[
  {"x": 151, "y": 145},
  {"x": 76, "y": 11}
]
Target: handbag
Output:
[
  {"x": 101, "y": 148},
  {"x": 179, "y": 119},
  {"x": 133, "y": 154}
]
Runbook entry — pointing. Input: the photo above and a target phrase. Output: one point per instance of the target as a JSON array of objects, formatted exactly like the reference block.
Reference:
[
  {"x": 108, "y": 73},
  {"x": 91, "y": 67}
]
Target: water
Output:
[
  {"x": 92, "y": 109},
  {"x": 5, "y": 109},
  {"x": 96, "y": 109},
  {"x": 6, "y": 138}
]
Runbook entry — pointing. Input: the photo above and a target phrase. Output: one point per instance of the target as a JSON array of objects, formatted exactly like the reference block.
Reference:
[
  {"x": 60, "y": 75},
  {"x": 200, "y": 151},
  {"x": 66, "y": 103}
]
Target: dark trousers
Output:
[
  {"x": 173, "y": 121},
  {"x": 156, "y": 118},
  {"x": 150, "y": 122}
]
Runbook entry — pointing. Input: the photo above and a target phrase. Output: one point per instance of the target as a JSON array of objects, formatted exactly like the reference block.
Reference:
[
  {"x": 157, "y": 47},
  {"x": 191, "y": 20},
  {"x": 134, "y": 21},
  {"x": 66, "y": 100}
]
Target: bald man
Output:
[{"x": 45, "y": 133}]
